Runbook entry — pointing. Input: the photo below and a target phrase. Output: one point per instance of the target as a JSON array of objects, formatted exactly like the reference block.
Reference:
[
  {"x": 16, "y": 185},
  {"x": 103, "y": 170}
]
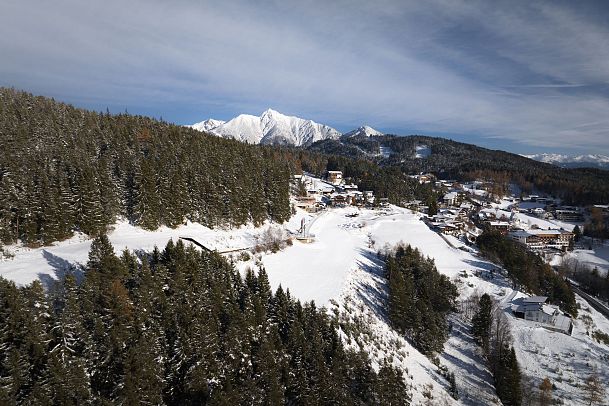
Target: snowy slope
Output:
[
  {"x": 363, "y": 131},
  {"x": 244, "y": 128},
  {"x": 207, "y": 125},
  {"x": 573, "y": 161},
  {"x": 271, "y": 127},
  {"x": 340, "y": 271}
]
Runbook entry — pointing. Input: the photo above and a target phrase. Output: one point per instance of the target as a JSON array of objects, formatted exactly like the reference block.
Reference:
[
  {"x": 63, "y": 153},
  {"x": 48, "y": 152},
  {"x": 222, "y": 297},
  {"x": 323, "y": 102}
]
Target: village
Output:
[{"x": 540, "y": 223}]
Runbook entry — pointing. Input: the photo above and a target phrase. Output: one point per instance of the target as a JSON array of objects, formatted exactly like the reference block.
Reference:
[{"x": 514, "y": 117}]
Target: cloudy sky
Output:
[{"x": 517, "y": 75}]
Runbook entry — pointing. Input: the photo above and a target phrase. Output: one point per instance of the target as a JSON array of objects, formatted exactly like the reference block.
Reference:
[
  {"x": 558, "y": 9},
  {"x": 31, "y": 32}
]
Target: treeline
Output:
[
  {"x": 64, "y": 169},
  {"x": 419, "y": 299},
  {"x": 179, "y": 327},
  {"x": 455, "y": 160},
  {"x": 527, "y": 269},
  {"x": 491, "y": 331}
]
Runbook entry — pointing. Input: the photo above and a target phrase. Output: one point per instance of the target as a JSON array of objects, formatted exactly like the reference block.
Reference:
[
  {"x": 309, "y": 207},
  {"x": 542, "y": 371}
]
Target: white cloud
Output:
[{"x": 518, "y": 74}]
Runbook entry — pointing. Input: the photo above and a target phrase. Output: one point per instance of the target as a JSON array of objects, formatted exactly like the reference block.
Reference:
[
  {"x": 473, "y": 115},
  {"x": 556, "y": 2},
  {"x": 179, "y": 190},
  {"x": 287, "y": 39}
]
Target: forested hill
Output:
[
  {"x": 64, "y": 169},
  {"x": 456, "y": 160}
]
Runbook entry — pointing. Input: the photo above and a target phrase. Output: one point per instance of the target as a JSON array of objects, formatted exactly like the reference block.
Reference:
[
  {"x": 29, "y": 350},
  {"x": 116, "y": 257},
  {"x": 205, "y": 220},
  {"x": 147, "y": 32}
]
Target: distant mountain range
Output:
[
  {"x": 275, "y": 128},
  {"x": 573, "y": 161}
]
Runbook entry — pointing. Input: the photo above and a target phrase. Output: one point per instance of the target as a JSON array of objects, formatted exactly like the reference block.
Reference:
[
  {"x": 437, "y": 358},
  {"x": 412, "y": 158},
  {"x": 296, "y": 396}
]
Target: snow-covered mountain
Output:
[
  {"x": 573, "y": 161},
  {"x": 363, "y": 131},
  {"x": 207, "y": 125},
  {"x": 271, "y": 127}
]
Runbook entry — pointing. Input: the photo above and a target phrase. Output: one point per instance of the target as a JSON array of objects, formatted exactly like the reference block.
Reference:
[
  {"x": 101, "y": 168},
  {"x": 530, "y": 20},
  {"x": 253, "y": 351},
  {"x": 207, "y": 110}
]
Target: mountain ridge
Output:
[
  {"x": 275, "y": 128},
  {"x": 572, "y": 161},
  {"x": 271, "y": 127}
]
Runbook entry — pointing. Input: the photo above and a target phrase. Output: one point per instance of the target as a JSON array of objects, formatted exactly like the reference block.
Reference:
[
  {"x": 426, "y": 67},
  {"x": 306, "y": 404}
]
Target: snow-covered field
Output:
[
  {"x": 591, "y": 255},
  {"x": 339, "y": 270},
  {"x": 49, "y": 263}
]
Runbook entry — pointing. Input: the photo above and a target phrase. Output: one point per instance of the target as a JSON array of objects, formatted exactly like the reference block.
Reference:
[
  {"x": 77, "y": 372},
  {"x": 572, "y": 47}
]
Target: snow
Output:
[
  {"x": 339, "y": 270},
  {"x": 385, "y": 152},
  {"x": 271, "y": 127},
  {"x": 364, "y": 131},
  {"x": 207, "y": 125},
  {"x": 590, "y": 160},
  {"x": 244, "y": 127},
  {"x": 51, "y": 262},
  {"x": 422, "y": 151},
  {"x": 597, "y": 257}
]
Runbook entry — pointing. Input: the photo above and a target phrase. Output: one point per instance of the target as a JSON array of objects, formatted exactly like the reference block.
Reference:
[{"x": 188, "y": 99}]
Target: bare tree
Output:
[
  {"x": 545, "y": 392},
  {"x": 594, "y": 391}
]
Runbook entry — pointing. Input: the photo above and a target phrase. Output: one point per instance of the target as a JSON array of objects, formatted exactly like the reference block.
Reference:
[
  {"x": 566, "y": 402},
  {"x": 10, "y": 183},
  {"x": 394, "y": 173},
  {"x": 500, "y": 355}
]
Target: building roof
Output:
[
  {"x": 548, "y": 309},
  {"x": 499, "y": 223},
  {"x": 535, "y": 299}
]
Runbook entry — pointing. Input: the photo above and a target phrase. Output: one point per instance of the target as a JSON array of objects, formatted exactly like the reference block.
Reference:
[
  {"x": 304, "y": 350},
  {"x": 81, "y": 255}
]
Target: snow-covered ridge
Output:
[
  {"x": 588, "y": 160},
  {"x": 363, "y": 131},
  {"x": 272, "y": 127},
  {"x": 207, "y": 125}
]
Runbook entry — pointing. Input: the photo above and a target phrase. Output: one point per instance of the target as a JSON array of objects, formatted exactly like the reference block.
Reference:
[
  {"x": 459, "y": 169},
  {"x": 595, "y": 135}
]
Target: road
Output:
[{"x": 592, "y": 301}]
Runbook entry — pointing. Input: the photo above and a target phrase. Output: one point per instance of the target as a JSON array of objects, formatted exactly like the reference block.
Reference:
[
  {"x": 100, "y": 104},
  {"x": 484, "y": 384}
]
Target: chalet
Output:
[
  {"x": 335, "y": 177},
  {"x": 448, "y": 228},
  {"x": 538, "y": 240},
  {"x": 339, "y": 200},
  {"x": 536, "y": 309},
  {"x": 308, "y": 203},
  {"x": 368, "y": 197},
  {"x": 450, "y": 198},
  {"x": 384, "y": 201},
  {"x": 425, "y": 178},
  {"x": 502, "y": 226}
]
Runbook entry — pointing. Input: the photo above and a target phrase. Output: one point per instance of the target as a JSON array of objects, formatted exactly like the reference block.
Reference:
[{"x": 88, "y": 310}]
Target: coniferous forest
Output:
[
  {"x": 419, "y": 300},
  {"x": 464, "y": 162},
  {"x": 178, "y": 327},
  {"x": 64, "y": 169}
]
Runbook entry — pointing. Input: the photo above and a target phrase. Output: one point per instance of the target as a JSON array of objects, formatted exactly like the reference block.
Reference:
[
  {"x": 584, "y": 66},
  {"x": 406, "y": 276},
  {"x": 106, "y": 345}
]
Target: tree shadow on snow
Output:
[
  {"x": 62, "y": 268},
  {"x": 472, "y": 377},
  {"x": 374, "y": 294}
]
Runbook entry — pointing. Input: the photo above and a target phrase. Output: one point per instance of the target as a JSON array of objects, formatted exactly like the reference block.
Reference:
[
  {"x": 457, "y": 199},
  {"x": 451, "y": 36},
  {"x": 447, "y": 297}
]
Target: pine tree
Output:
[{"x": 482, "y": 322}]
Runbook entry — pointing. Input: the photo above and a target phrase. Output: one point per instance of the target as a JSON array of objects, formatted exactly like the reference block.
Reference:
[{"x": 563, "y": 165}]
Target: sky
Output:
[{"x": 522, "y": 76}]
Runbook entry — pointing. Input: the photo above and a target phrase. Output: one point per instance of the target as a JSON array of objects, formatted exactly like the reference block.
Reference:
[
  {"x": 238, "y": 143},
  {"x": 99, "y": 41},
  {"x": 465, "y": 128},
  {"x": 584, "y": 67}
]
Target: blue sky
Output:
[{"x": 516, "y": 75}]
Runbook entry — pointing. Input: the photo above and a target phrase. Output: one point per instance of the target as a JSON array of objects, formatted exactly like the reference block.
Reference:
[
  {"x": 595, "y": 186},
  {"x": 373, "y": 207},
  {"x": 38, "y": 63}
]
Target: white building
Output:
[
  {"x": 537, "y": 240},
  {"x": 536, "y": 309}
]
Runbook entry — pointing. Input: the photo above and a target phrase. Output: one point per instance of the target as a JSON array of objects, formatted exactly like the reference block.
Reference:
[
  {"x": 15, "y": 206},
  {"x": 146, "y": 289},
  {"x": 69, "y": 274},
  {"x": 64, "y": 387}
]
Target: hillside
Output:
[
  {"x": 341, "y": 270},
  {"x": 460, "y": 161},
  {"x": 64, "y": 169}
]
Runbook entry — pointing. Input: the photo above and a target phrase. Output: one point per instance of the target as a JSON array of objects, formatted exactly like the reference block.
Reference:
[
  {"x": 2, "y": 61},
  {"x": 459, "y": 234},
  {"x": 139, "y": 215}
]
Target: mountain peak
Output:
[
  {"x": 207, "y": 125},
  {"x": 273, "y": 127},
  {"x": 363, "y": 131}
]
